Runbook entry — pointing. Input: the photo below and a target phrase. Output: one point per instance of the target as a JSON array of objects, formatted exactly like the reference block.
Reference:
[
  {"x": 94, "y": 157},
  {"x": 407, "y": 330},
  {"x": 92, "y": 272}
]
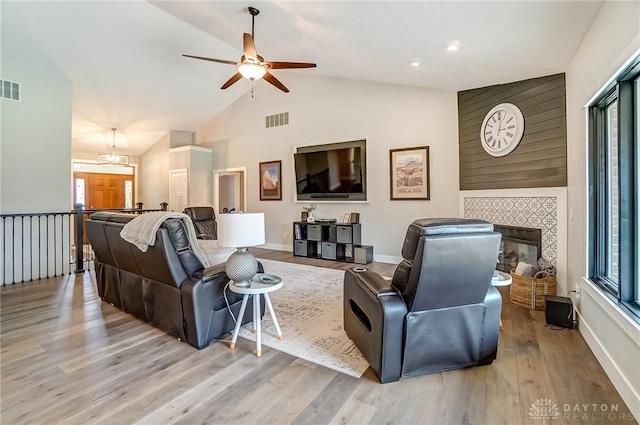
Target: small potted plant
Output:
[{"x": 308, "y": 211}]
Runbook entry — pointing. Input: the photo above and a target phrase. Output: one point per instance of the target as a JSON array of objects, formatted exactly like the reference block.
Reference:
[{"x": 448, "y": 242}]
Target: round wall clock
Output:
[{"x": 502, "y": 129}]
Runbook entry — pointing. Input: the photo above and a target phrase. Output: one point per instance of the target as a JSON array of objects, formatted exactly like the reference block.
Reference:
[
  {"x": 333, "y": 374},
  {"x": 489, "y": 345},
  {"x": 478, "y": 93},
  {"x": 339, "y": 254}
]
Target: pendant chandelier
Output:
[{"x": 113, "y": 158}]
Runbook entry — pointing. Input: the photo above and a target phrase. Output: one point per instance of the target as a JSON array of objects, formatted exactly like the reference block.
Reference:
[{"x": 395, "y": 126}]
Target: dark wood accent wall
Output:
[{"x": 540, "y": 160}]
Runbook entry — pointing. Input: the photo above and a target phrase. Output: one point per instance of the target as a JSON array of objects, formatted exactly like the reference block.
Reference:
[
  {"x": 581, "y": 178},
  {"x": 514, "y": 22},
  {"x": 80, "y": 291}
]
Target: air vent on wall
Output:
[
  {"x": 277, "y": 119},
  {"x": 9, "y": 90}
]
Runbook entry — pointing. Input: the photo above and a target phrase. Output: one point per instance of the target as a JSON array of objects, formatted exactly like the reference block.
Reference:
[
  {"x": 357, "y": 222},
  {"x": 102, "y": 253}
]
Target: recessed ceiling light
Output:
[
  {"x": 414, "y": 63},
  {"x": 452, "y": 47}
]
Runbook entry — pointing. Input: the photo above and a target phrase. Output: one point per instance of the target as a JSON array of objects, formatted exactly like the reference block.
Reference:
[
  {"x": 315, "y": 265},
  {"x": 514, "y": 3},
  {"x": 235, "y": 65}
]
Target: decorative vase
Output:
[{"x": 310, "y": 218}]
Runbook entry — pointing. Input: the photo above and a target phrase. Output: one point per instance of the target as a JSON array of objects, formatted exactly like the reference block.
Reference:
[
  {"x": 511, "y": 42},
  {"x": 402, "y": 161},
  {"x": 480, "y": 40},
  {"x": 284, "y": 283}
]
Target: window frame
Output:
[{"x": 622, "y": 90}]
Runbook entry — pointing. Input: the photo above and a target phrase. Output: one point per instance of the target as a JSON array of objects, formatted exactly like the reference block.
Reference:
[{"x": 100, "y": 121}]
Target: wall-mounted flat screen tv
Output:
[{"x": 331, "y": 172}]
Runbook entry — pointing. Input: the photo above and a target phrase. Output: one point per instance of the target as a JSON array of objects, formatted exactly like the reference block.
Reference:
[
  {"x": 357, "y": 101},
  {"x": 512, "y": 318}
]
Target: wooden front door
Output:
[{"x": 104, "y": 191}]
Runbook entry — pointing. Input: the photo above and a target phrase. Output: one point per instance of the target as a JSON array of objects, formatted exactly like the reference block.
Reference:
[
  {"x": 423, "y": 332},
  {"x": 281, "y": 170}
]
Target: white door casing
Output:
[
  {"x": 238, "y": 177},
  {"x": 178, "y": 189}
]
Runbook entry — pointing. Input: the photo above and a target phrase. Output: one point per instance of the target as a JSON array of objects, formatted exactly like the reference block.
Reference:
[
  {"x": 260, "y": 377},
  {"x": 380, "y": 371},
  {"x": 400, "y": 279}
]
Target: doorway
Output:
[
  {"x": 103, "y": 191},
  {"x": 96, "y": 190},
  {"x": 230, "y": 189},
  {"x": 178, "y": 189}
]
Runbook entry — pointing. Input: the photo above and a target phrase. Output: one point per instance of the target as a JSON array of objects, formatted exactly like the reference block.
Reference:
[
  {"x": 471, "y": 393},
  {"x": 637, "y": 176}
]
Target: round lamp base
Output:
[{"x": 241, "y": 267}]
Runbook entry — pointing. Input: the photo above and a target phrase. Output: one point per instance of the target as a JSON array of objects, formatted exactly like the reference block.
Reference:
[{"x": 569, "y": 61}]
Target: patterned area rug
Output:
[{"x": 309, "y": 311}]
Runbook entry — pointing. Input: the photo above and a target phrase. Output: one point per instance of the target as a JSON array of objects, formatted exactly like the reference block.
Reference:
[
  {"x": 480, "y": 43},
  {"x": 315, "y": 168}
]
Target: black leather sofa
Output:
[
  {"x": 438, "y": 312},
  {"x": 166, "y": 286}
]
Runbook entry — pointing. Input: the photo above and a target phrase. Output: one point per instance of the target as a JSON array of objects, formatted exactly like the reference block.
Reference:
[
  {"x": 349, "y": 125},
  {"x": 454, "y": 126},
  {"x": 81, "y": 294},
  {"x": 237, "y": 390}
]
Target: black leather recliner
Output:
[
  {"x": 204, "y": 221},
  {"x": 166, "y": 286},
  {"x": 439, "y": 312}
]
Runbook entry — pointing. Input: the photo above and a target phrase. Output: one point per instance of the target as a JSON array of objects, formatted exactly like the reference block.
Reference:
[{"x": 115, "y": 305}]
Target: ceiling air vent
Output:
[
  {"x": 277, "y": 119},
  {"x": 9, "y": 90}
]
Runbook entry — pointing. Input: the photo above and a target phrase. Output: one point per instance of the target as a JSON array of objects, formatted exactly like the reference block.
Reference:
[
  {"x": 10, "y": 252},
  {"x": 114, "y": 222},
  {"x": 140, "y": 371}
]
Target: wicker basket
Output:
[{"x": 529, "y": 292}]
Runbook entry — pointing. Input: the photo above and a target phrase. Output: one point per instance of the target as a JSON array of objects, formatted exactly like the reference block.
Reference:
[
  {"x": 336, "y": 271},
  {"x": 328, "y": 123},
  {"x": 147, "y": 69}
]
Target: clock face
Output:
[{"x": 502, "y": 129}]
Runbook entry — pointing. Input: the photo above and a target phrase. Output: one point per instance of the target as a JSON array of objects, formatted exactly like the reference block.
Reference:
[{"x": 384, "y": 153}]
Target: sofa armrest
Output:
[
  {"x": 199, "y": 296},
  {"x": 374, "y": 316},
  {"x": 210, "y": 273},
  {"x": 377, "y": 285}
]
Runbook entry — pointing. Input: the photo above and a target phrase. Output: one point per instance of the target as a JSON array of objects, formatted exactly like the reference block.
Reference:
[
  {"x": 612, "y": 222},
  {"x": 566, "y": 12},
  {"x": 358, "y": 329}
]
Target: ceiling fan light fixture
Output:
[
  {"x": 252, "y": 71},
  {"x": 453, "y": 47},
  {"x": 113, "y": 158}
]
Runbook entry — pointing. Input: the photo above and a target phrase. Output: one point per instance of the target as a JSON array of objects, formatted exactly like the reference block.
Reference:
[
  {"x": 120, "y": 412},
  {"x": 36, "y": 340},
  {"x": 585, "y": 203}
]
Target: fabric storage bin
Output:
[{"x": 530, "y": 292}]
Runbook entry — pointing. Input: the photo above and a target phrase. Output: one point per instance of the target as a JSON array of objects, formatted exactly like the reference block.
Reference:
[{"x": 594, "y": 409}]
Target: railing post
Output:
[
  {"x": 79, "y": 238},
  {"x": 163, "y": 206}
]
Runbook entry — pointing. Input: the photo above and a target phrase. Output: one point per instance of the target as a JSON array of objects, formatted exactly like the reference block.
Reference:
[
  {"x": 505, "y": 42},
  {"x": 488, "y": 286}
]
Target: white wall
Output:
[
  {"x": 35, "y": 170},
  {"x": 36, "y": 131},
  {"x": 322, "y": 110},
  {"x": 613, "y": 38},
  {"x": 154, "y": 174},
  {"x": 197, "y": 161}
]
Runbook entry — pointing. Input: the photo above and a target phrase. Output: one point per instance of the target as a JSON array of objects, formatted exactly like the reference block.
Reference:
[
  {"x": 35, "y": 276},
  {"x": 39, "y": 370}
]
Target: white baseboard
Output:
[
  {"x": 391, "y": 259},
  {"x": 277, "y": 247}
]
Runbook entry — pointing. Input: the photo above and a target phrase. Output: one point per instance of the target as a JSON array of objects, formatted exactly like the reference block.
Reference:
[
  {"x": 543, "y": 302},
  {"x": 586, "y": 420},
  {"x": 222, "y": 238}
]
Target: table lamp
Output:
[{"x": 241, "y": 231}]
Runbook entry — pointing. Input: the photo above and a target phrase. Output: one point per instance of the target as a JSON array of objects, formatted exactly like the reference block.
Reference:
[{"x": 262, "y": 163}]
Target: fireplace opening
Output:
[{"x": 518, "y": 244}]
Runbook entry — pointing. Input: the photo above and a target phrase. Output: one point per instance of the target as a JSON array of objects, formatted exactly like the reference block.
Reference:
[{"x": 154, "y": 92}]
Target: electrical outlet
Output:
[
  {"x": 577, "y": 292},
  {"x": 285, "y": 236}
]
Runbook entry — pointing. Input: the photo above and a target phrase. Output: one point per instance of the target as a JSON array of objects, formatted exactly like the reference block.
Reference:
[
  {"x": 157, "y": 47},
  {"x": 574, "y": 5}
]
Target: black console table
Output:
[{"x": 330, "y": 241}]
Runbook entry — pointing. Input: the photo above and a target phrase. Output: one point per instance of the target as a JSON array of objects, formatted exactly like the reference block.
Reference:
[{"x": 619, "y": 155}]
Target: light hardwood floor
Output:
[{"x": 68, "y": 358}]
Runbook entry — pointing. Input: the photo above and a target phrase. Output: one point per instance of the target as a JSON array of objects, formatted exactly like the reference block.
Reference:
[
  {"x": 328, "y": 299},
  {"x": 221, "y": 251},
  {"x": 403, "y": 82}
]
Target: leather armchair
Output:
[
  {"x": 439, "y": 311},
  {"x": 204, "y": 221}
]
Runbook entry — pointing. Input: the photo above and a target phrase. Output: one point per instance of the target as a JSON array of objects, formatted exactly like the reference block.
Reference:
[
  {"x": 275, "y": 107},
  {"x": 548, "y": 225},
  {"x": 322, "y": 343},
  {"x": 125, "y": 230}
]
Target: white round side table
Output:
[
  {"x": 501, "y": 279},
  {"x": 261, "y": 284}
]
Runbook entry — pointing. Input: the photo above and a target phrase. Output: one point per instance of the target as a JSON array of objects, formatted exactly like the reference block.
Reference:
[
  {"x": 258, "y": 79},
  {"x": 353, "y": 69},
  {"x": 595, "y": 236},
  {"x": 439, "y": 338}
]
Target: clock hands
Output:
[
  {"x": 500, "y": 124},
  {"x": 494, "y": 130}
]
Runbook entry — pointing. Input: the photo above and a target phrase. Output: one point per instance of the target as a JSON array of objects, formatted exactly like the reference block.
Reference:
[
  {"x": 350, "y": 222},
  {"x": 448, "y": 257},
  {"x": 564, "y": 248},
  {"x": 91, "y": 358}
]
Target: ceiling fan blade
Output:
[
  {"x": 269, "y": 78},
  {"x": 237, "y": 76},
  {"x": 249, "y": 47},
  {"x": 211, "y": 59},
  {"x": 289, "y": 65}
]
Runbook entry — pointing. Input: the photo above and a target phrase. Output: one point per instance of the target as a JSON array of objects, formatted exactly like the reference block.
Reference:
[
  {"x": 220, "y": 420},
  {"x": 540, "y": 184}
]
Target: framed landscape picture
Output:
[
  {"x": 409, "y": 173},
  {"x": 270, "y": 182}
]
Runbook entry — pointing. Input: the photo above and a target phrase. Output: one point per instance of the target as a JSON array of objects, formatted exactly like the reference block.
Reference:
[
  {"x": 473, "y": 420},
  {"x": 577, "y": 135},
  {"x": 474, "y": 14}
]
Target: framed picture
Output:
[
  {"x": 270, "y": 181},
  {"x": 346, "y": 218},
  {"x": 409, "y": 173}
]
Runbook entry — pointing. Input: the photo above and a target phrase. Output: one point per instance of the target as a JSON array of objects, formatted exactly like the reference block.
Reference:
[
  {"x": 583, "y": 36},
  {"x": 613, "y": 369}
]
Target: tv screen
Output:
[{"x": 331, "y": 172}]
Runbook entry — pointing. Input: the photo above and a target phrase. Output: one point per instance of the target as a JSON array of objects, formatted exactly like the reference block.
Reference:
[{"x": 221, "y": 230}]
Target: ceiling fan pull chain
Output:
[{"x": 251, "y": 89}]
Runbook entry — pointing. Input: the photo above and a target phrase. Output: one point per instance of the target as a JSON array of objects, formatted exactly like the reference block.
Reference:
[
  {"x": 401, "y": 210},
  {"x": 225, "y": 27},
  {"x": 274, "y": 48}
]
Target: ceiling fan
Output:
[{"x": 253, "y": 66}]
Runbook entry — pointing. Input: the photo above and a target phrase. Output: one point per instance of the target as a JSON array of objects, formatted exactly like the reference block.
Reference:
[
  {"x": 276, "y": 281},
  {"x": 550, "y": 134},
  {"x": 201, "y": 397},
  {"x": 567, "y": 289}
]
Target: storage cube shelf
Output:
[{"x": 330, "y": 241}]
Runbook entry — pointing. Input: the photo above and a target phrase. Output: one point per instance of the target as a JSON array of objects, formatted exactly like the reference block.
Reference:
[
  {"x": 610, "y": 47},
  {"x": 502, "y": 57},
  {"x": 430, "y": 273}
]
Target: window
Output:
[
  {"x": 128, "y": 194},
  {"x": 79, "y": 192},
  {"x": 614, "y": 201}
]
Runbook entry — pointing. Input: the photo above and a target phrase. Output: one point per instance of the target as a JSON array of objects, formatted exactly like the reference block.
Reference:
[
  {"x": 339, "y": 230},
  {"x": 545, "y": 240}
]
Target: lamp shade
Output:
[{"x": 240, "y": 230}]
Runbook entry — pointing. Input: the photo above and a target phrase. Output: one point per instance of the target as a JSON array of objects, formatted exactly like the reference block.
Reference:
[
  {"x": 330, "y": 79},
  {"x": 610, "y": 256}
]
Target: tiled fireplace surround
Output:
[{"x": 539, "y": 208}]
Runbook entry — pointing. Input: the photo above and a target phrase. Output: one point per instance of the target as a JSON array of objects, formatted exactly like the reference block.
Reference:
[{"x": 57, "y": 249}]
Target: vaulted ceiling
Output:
[{"x": 124, "y": 58}]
